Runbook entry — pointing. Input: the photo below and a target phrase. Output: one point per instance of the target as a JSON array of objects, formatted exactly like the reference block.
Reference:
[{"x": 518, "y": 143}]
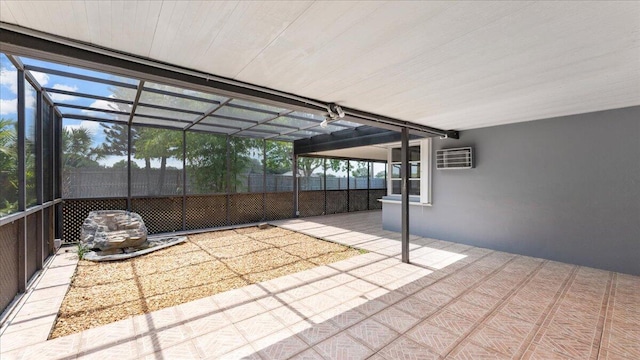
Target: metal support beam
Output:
[
  {"x": 21, "y": 135},
  {"x": 405, "y": 194},
  {"x": 129, "y": 174},
  {"x": 78, "y": 76},
  {"x": 263, "y": 121},
  {"x": 324, "y": 185},
  {"x": 135, "y": 102},
  {"x": 210, "y": 111},
  {"x": 348, "y": 184},
  {"x": 361, "y": 136},
  {"x": 39, "y": 179},
  {"x": 22, "y": 186},
  {"x": 294, "y": 167},
  {"x": 49, "y": 90},
  {"x": 184, "y": 180},
  {"x": 57, "y": 189},
  {"x": 228, "y": 179},
  {"x": 367, "y": 118},
  {"x": 264, "y": 179},
  {"x": 38, "y": 148},
  {"x": 369, "y": 169}
]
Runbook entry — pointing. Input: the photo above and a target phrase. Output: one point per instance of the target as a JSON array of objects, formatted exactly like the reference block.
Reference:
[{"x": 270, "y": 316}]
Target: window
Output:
[{"x": 419, "y": 170}]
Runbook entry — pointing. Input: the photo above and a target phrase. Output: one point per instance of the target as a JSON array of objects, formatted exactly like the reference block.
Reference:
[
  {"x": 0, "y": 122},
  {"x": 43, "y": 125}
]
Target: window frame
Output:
[{"x": 425, "y": 170}]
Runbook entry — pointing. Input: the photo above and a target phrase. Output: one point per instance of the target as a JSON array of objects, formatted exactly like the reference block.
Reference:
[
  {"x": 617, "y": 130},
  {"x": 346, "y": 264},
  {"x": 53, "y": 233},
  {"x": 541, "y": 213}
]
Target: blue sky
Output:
[{"x": 8, "y": 98}]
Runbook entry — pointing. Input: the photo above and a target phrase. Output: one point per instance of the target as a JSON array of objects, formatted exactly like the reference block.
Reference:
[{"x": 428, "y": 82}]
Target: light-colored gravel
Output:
[{"x": 207, "y": 264}]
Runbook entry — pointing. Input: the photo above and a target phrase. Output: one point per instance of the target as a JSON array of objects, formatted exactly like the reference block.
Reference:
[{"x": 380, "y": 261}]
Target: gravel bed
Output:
[{"x": 204, "y": 265}]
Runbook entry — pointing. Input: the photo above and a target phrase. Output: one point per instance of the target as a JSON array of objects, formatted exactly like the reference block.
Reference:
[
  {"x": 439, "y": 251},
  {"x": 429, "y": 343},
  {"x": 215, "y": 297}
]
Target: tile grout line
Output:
[
  {"x": 549, "y": 312},
  {"x": 32, "y": 285},
  {"x": 597, "y": 339},
  {"x": 440, "y": 308},
  {"x": 400, "y": 334},
  {"x": 497, "y": 307},
  {"x": 608, "y": 315}
]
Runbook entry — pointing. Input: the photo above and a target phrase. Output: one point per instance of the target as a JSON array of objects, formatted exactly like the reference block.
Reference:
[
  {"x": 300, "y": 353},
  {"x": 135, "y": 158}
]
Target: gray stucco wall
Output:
[{"x": 565, "y": 189}]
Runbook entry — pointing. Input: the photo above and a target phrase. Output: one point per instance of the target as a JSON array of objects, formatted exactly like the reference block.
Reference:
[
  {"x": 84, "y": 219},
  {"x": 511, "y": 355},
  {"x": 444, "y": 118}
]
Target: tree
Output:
[
  {"x": 8, "y": 167},
  {"x": 76, "y": 149},
  {"x": 279, "y": 155},
  {"x": 153, "y": 143},
  {"x": 241, "y": 162},
  {"x": 361, "y": 170},
  {"x": 207, "y": 161},
  {"x": 122, "y": 164},
  {"x": 116, "y": 139},
  {"x": 308, "y": 165},
  {"x": 381, "y": 174}
]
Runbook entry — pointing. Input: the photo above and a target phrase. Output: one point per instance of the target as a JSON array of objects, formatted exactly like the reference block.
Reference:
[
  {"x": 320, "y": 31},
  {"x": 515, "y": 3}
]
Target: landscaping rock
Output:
[
  {"x": 152, "y": 244},
  {"x": 106, "y": 230}
]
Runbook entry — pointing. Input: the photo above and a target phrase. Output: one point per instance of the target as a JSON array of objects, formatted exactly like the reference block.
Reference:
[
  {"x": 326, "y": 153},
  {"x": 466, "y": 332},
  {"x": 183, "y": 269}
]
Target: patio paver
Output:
[{"x": 459, "y": 302}]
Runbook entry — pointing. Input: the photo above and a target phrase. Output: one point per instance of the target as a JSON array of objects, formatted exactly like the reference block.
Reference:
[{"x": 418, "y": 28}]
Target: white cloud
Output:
[
  {"x": 41, "y": 78},
  {"x": 107, "y": 105},
  {"x": 62, "y": 97},
  {"x": 8, "y": 106},
  {"x": 92, "y": 126},
  {"x": 103, "y": 104},
  {"x": 9, "y": 78},
  {"x": 30, "y": 100}
]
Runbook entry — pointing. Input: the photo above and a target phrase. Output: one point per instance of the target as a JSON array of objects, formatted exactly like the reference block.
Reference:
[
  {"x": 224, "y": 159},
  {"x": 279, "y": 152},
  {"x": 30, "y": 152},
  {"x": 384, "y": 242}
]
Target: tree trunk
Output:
[
  {"x": 163, "y": 168},
  {"x": 147, "y": 172}
]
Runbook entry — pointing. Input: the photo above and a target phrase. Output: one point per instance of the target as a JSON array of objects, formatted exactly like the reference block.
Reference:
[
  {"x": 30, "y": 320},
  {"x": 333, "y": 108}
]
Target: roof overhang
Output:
[{"x": 26, "y": 42}]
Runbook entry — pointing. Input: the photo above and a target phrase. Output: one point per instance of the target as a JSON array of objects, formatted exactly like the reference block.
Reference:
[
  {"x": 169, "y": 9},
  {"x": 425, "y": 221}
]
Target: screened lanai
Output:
[{"x": 183, "y": 158}]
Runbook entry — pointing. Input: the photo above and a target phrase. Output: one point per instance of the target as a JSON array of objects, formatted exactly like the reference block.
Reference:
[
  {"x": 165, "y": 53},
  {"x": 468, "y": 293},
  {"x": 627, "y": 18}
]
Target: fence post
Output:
[
  {"x": 184, "y": 180},
  {"x": 368, "y": 184},
  {"x": 295, "y": 184},
  {"x": 129, "y": 170},
  {"x": 324, "y": 180},
  {"x": 348, "y": 186},
  {"x": 228, "y": 180},
  {"x": 264, "y": 179}
]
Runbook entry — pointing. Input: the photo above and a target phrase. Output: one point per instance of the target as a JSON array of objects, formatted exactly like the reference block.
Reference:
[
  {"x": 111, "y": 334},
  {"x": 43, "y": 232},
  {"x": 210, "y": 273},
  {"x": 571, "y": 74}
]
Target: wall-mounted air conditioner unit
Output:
[{"x": 457, "y": 158}]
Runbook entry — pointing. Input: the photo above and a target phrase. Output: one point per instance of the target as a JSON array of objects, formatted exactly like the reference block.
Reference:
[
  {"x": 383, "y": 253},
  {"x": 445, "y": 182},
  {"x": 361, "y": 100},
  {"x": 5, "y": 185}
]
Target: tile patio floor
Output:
[{"x": 462, "y": 302}]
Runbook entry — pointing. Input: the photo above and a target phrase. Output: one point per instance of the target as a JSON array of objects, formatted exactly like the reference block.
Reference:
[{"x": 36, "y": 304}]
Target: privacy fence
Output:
[{"x": 169, "y": 213}]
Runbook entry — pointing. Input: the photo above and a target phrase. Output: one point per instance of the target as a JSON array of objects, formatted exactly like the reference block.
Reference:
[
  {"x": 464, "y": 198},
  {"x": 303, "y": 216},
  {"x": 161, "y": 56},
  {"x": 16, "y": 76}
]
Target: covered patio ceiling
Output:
[{"x": 448, "y": 65}]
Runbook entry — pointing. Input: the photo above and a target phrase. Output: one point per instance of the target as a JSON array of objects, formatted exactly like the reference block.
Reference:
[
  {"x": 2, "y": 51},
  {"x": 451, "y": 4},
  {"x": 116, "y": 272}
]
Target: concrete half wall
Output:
[{"x": 565, "y": 189}]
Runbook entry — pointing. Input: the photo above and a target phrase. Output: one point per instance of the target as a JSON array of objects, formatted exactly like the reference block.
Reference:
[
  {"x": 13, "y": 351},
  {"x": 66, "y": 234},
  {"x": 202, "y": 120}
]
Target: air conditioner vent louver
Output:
[{"x": 458, "y": 158}]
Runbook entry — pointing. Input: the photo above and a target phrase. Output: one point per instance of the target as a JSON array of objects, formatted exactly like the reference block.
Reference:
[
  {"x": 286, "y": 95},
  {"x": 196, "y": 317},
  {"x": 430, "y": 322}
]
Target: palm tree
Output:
[
  {"x": 77, "y": 150},
  {"x": 8, "y": 167}
]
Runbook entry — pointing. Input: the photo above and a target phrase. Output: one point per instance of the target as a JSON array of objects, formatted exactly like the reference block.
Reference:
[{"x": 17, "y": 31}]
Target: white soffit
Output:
[{"x": 451, "y": 65}]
